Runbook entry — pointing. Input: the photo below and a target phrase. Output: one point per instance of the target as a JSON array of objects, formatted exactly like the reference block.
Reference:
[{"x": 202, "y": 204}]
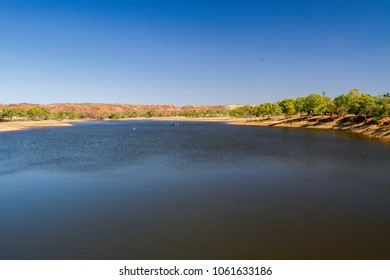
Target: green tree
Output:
[
  {"x": 237, "y": 112},
  {"x": 314, "y": 104},
  {"x": 38, "y": 113},
  {"x": 382, "y": 108},
  {"x": 275, "y": 109},
  {"x": 288, "y": 107},
  {"x": 341, "y": 105},
  {"x": 60, "y": 115},
  {"x": 262, "y": 110},
  {"x": 150, "y": 114},
  {"x": 367, "y": 105},
  {"x": 267, "y": 109},
  {"x": 257, "y": 111},
  {"x": 328, "y": 107},
  {"x": 356, "y": 102},
  {"x": 249, "y": 111},
  {"x": 353, "y": 103},
  {"x": 132, "y": 114},
  {"x": 300, "y": 105},
  {"x": 115, "y": 116},
  {"x": 71, "y": 115},
  {"x": 11, "y": 113}
]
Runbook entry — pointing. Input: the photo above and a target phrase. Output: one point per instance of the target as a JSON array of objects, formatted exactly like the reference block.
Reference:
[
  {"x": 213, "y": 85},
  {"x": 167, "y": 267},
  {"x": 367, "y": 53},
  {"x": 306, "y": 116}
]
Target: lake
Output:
[{"x": 199, "y": 190}]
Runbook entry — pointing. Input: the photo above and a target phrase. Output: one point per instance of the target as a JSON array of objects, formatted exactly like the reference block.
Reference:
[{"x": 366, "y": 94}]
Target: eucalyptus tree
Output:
[
  {"x": 300, "y": 105},
  {"x": 382, "y": 109},
  {"x": 38, "y": 113},
  {"x": 366, "y": 105},
  {"x": 288, "y": 106},
  {"x": 314, "y": 104},
  {"x": 341, "y": 105},
  {"x": 12, "y": 113}
]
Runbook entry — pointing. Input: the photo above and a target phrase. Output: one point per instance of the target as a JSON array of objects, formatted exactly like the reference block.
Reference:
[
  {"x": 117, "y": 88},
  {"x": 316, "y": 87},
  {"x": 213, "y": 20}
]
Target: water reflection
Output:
[{"x": 103, "y": 190}]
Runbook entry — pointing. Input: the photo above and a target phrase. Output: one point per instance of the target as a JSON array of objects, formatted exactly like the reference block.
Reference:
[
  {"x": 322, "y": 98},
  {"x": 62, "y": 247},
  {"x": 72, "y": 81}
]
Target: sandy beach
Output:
[{"x": 21, "y": 125}]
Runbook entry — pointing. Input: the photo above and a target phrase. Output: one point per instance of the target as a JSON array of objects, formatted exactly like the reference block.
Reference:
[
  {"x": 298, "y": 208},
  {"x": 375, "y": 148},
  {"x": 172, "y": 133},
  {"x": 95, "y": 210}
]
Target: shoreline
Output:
[
  {"x": 380, "y": 132},
  {"x": 23, "y": 125},
  {"x": 28, "y": 124}
]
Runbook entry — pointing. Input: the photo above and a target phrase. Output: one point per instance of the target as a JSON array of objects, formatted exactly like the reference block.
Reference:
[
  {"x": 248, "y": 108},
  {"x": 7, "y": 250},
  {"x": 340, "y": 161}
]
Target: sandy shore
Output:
[
  {"x": 21, "y": 125},
  {"x": 377, "y": 131}
]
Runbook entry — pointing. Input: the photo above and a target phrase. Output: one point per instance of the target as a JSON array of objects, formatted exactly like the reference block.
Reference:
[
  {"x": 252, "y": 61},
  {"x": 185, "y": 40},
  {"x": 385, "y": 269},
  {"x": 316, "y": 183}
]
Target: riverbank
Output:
[
  {"x": 347, "y": 123},
  {"x": 22, "y": 125}
]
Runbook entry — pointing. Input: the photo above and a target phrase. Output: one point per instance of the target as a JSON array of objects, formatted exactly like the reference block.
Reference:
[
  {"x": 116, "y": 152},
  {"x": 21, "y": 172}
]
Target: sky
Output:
[{"x": 191, "y": 52}]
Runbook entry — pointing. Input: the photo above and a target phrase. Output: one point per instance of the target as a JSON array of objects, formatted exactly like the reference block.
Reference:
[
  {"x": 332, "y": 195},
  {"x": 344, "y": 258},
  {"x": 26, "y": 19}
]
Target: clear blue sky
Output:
[{"x": 191, "y": 52}]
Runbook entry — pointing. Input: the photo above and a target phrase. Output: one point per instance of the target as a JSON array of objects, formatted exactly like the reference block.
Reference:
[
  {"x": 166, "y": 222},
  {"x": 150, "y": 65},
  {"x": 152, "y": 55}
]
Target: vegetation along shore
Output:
[{"x": 355, "y": 111}]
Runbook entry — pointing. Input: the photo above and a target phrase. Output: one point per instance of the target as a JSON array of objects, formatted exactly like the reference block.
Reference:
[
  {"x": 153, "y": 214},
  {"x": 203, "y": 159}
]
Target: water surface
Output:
[{"x": 104, "y": 190}]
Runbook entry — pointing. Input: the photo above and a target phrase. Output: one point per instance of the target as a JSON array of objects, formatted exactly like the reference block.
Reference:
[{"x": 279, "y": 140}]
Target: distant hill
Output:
[{"x": 112, "y": 108}]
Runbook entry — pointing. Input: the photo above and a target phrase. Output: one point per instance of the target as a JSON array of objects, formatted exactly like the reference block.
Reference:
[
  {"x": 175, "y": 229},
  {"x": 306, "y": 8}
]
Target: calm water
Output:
[{"x": 103, "y": 190}]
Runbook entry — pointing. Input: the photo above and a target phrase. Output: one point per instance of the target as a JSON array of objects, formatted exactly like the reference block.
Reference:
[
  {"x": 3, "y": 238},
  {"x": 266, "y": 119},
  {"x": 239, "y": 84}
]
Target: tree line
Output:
[
  {"x": 354, "y": 102},
  {"x": 41, "y": 113}
]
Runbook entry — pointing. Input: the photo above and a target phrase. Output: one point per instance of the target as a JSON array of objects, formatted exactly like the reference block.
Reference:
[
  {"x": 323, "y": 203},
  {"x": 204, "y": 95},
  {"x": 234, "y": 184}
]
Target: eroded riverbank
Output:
[{"x": 349, "y": 123}]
